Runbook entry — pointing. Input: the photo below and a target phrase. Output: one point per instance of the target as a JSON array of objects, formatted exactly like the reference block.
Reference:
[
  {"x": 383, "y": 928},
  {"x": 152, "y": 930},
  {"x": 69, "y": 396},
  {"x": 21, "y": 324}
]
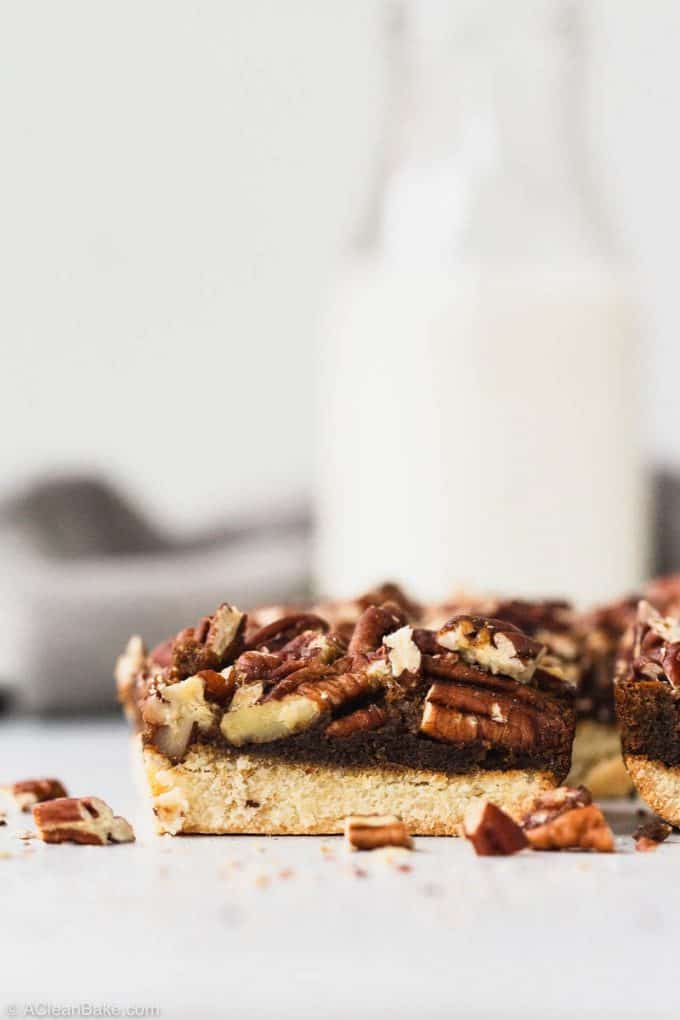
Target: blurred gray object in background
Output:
[
  {"x": 84, "y": 569},
  {"x": 667, "y": 521}
]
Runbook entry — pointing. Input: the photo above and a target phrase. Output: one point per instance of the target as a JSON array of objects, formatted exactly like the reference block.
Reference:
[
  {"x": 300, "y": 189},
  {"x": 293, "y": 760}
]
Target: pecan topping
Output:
[
  {"x": 649, "y": 834},
  {"x": 492, "y": 832},
  {"x": 369, "y": 832},
  {"x": 566, "y": 819},
  {"x": 28, "y": 792},
  {"x": 655, "y": 649},
  {"x": 373, "y": 717},
  {"x": 492, "y": 644},
  {"x": 80, "y": 820}
]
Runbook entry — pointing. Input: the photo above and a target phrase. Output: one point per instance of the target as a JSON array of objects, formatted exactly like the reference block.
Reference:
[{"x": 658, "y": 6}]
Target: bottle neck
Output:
[{"x": 490, "y": 159}]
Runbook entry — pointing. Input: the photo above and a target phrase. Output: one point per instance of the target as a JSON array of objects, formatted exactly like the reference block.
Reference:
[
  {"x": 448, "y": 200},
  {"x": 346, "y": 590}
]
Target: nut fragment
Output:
[
  {"x": 80, "y": 820},
  {"x": 492, "y": 832},
  {"x": 492, "y": 644},
  {"x": 368, "y": 832},
  {"x": 650, "y": 834},
  {"x": 28, "y": 792},
  {"x": 565, "y": 819}
]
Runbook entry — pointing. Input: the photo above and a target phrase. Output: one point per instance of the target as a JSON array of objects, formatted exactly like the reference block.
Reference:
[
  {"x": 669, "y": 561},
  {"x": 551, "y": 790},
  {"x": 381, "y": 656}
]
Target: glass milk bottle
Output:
[{"x": 478, "y": 418}]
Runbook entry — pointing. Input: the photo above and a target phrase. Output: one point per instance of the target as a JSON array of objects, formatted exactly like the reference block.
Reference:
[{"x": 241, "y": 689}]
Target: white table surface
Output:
[{"x": 299, "y": 927}]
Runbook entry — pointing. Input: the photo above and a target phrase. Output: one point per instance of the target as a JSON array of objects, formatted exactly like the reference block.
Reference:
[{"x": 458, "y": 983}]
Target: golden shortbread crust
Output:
[
  {"x": 657, "y": 784},
  {"x": 217, "y": 791}
]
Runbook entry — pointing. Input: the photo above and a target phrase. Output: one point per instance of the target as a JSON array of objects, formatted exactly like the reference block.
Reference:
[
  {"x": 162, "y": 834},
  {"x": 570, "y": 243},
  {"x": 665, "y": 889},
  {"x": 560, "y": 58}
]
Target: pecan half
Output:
[
  {"x": 460, "y": 714},
  {"x": 369, "y": 832},
  {"x": 373, "y": 717},
  {"x": 80, "y": 820},
  {"x": 28, "y": 792},
  {"x": 566, "y": 819},
  {"x": 492, "y": 644},
  {"x": 492, "y": 832}
]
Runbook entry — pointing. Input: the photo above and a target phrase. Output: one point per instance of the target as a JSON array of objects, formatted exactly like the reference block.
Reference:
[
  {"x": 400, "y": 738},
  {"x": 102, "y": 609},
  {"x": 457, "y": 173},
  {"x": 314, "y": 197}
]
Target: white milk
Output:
[{"x": 480, "y": 428}]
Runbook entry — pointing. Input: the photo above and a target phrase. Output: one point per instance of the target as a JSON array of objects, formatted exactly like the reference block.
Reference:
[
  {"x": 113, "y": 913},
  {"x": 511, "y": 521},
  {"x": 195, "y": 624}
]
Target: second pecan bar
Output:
[
  {"x": 288, "y": 725},
  {"x": 647, "y": 692}
]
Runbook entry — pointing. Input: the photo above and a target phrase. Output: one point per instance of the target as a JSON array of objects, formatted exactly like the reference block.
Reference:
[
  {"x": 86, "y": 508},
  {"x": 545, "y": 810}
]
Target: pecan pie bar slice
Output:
[
  {"x": 647, "y": 692},
  {"x": 289, "y": 724}
]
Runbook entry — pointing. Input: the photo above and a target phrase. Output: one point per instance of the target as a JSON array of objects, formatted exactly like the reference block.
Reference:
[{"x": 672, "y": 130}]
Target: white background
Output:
[{"x": 177, "y": 181}]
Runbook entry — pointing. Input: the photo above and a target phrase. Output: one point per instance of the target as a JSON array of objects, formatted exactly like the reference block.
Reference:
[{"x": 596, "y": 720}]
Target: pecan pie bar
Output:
[
  {"x": 647, "y": 692},
  {"x": 607, "y": 636},
  {"x": 288, "y": 722}
]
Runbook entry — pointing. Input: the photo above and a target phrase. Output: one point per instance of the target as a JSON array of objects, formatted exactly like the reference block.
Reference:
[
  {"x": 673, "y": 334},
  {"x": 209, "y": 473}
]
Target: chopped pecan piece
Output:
[
  {"x": 80, "y": 820},
  {"x": 373, "y": 717},
  {"x": 28, "y": 792},
  {"x": 492, "y": 832},
  {"x": 649, "y": 834},
  {"x": 369, "y": 832},
  {"x": 565, "y": 819},
  {"x": 492, "y": 644}
]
